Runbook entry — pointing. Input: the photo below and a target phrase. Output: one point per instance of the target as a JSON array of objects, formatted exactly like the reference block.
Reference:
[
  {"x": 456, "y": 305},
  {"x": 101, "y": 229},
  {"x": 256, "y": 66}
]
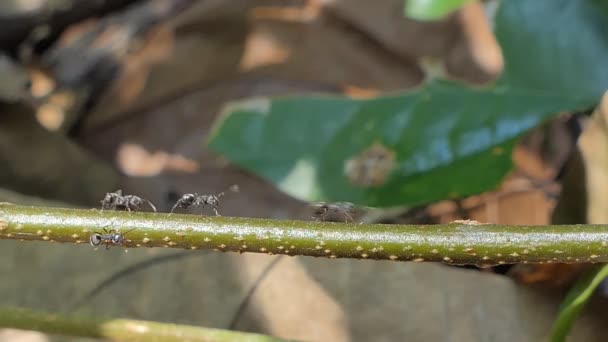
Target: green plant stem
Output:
[
  {"x": 455, "y": 243},
  {"x": 119, "y": 329},
  {"x": 574, "y": 303}
]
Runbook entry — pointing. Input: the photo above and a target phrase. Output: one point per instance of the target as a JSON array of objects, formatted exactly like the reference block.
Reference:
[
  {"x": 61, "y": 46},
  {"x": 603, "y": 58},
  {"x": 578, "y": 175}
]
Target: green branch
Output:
[
  {"x": 456, "y": 243},
  {"x": 119, "y": 329}
]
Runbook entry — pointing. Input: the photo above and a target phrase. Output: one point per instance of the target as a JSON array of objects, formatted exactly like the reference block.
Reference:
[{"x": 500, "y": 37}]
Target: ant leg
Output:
[
  {"x": 349, "y": 217},
  {"x": 324, "y": 214},
  {"x": 319, "y": 216},
  {"x": 175, "y": 206},
  {"x": 151, "y": 205}
]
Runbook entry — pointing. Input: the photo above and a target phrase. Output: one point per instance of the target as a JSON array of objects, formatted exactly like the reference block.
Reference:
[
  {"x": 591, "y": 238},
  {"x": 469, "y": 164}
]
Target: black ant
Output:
[
  {"x": 111, "y": 237},
  {"x": 116, "y": 200},
  {"x": 333, "y": 212},
  {"x": 189, "y": 200}
]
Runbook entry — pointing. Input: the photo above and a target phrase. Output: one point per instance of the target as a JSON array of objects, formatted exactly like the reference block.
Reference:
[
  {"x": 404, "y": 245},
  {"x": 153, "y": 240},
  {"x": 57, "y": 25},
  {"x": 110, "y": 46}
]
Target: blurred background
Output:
[{"x": 121, "y": 94}]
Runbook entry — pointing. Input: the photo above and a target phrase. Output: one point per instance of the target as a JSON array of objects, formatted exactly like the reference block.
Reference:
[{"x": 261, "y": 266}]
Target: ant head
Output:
[
  {"x": 212, "y": 200},
  {"x": 111, "y": 197},
  {"x": 118, "y": 238}
]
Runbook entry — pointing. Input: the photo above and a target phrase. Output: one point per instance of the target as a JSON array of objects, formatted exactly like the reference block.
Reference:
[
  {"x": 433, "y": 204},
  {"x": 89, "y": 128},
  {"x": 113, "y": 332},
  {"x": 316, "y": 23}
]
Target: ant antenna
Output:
[
  {"x": 128, "y": 231},
  {"x": 232, "y": 188},
  {"x": 348, "y": 217},
  {"x": 125, "y": 234},
  {"x": 177, "y": 204},
  {"x": 171, "y": 212}
]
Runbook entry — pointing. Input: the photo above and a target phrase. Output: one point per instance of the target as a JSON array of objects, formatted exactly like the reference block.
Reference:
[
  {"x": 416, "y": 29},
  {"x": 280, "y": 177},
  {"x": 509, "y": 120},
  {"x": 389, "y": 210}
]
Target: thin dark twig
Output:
[
  {"x": 114, "y": 277},
  {"x": 140, "y": 266},
  {"x": 239, "y": 312}
]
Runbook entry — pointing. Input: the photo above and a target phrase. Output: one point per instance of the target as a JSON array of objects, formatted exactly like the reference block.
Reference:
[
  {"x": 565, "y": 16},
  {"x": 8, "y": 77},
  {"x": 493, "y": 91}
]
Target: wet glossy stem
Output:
[
  {"x": 119, "y": 329},
  {"x": 455, "y": 243}
]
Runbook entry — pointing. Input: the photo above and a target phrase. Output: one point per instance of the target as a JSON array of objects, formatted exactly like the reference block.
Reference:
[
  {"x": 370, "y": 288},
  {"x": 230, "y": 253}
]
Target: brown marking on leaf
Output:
[
  {"x": 360, "y": 93},
  {"x": 497, "y": 151},
  {"x": 372, "y": 167},
  {"x": 454, "y": 195}
]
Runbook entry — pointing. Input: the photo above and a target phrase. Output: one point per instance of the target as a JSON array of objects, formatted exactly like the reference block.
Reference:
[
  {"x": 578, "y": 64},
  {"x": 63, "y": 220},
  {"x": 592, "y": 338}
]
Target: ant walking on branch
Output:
[
  {"x": 111, "y": 237},
  {"x": 196, "y": 200},
  {"x": 336, "y": 212},
  {"x": 117, "y": 201}
]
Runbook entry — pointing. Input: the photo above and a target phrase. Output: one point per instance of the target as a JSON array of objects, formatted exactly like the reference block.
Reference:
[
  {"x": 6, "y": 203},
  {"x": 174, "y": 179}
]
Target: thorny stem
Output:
[
  {"x": 455, "y": 243},
  {"x": 119, "y": 329}
]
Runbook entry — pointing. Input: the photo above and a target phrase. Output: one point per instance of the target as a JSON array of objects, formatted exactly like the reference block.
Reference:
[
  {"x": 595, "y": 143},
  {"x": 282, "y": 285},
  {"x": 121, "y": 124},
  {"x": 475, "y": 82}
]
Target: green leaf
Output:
[
  {"x": 432, "y": 9},
  {"x": 575, "y": 301},
  {"x": 442, "y": 140},
  {"x": 557, "y": 46},
  {"x": 303, "y": 144}
]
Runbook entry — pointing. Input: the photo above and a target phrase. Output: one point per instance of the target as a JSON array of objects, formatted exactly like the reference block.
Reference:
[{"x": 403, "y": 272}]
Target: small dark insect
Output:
[
  {"x": 111, "y": 237},
  {"x": 334, "y": 211},
  {"x": 117, "y": 201},
  {"x": 196, "y": 200}
]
